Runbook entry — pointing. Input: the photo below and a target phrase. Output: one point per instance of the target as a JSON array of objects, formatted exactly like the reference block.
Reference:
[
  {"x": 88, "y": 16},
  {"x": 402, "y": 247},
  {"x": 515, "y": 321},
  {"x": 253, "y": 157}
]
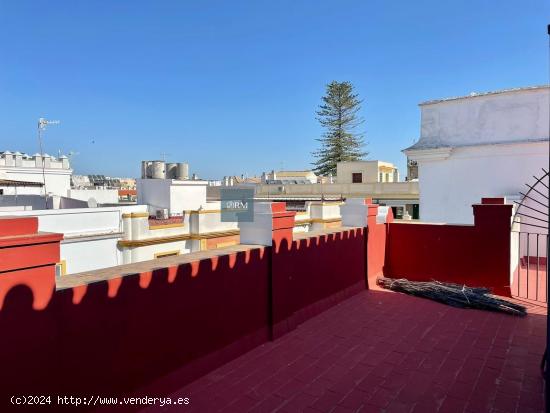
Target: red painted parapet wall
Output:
[
  {"x": 476, "y": 255},
  {"x": 314, "y": 273},
  {"x": 162, "y": 328},
  {"x": 27, "y": 257},
  {"x": 311, "y": 273},
  {"x": 112, "y": 337},
  {"x": 158, "y": 329},
  {"x": 377, "y": 236}
]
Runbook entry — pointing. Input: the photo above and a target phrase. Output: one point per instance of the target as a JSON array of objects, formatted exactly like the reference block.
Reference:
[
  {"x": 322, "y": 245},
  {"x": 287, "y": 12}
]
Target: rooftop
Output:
[
  {"x": 423, "y": 144},
  {"x": 380, "y": 351},
  {"x": 293, "y": 173},
  {"x": 479, "y": 94},
  {"x": 13, "y": 182},
  {"x": 284, "y": 321}
]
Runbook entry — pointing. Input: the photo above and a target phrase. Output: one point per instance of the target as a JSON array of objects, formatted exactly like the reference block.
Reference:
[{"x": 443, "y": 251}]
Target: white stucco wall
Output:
[
  {"x": 290, "y": 175},
  {"x": 210, "y": 222},
  {"x": 153, "y": 192},
  {"x": 449, "y": 187},
  {"x": 187, "y": 195},
  {"x": 19, "y": 167},
  {"x": 175, "y": 195},
  {"x": 90, "y": 254},
  {"x": 102, "y": 196},
  {"x": 483, "y": 146},
  {"x": 379, "y": 190},
  {"x": 370, "y": 170},
  {"x": 58, "y": 181},
  {"x": 22, "y": 190},
  {"x": 90, "y": 234},
  {"x": 491, "y": 118}
]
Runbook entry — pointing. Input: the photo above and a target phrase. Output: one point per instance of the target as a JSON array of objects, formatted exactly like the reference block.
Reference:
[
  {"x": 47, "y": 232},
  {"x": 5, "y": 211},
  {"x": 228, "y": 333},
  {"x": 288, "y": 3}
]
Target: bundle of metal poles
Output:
[{"x": 456, "y": 295}]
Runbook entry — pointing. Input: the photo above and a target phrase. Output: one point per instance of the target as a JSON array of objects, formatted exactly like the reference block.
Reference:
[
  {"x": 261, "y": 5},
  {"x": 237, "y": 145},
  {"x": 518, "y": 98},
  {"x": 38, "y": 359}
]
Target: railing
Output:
[{"x": 530, "y": 274}]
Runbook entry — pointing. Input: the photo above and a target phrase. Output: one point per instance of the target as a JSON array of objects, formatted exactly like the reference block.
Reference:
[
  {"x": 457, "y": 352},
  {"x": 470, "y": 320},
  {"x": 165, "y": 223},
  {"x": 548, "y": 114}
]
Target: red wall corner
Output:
[{"x": 27, "y": 258}]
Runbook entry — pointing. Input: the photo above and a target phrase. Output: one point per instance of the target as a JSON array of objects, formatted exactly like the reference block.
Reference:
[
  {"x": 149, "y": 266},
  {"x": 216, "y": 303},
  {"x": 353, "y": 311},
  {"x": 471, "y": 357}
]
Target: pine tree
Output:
[{"x": 339, "y": 116}]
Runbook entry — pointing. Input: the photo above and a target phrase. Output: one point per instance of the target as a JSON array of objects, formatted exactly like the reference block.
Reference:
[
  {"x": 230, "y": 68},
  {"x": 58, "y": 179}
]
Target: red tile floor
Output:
[{"x": 386, "y": 352}]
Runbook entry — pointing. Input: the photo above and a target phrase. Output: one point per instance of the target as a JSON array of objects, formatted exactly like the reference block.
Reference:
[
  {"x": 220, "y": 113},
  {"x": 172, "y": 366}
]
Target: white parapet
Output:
[
  {"x": 172, "y": 194},
  {"x": 323, "y": 213},
  {"x": 260, "y": 230},
  {"x": 382, "y": 215},
  {"x": 354, "y": 212}
]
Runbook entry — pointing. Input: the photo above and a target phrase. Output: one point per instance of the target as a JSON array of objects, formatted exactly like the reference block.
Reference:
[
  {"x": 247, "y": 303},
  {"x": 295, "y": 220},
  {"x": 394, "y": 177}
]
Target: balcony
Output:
[{"x": 283, "y": 321}]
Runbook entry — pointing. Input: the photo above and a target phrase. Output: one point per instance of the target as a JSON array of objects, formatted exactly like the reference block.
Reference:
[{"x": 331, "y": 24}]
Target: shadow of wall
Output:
[
  {"x": 114, "y": 336},
  {"x": 310, "y": 275},
  {"x": 161, "y": 329}
]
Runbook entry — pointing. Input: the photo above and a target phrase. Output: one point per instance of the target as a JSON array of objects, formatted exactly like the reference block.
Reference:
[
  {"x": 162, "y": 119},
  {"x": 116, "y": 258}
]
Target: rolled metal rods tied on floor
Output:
[{"x": 456, "y": 295}]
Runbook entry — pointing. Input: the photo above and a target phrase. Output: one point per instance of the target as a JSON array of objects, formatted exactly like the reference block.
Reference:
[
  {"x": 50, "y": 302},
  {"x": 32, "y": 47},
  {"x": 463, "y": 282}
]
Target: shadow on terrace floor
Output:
[{"x": 386, "y": 352}]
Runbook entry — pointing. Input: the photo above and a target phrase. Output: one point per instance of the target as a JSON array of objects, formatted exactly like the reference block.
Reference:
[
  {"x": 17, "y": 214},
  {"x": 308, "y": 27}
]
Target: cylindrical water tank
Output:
[
  {"x": 159, "y": 170},
  {"x": 143, "y": 169},
  {"x": 182, "y": 171},
  {"x": 171, "y": 170}
]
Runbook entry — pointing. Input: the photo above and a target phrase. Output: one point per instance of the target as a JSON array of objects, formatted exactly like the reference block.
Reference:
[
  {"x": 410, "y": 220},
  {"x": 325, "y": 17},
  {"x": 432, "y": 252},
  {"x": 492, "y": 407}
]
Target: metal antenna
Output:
[
  {"x": 164, "y": 155},
  {"x": 42, "y": 123}
]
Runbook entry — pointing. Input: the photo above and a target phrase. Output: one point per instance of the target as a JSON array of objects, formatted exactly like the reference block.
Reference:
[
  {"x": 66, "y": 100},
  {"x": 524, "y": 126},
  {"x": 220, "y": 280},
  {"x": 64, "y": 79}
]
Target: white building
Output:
[
  {"x": 90, "y": 235},
  {"x": 166, "y": 188},
  {"x": 94, "y": 196},
  {"x": 481, "y": 145},
  {"x": 358, "y": 172},
  {"x": 95, "y": 238},
  {"x": 56, "y": 173},
  {"x": 240, "y": 181},
  {"x": 289, "y": 177},
  {"x": 173, "y": 195}
]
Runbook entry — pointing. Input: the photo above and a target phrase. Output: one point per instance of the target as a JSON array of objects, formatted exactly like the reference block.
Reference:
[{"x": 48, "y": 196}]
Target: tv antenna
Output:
[{"x": 42, "y": 123}]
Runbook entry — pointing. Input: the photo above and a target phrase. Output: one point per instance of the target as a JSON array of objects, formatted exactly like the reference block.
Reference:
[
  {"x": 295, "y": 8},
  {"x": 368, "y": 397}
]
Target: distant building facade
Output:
[
  {"x": 359, "y": 172},
  {"x": 54, "y": 173},
  {"x": 240, "y": 181},
  {"x": 378, "y": 180},
  {"x": 289, "y": 177},
  {"x": 102, "y": 189},
  {"x": 481, "y": 145}
]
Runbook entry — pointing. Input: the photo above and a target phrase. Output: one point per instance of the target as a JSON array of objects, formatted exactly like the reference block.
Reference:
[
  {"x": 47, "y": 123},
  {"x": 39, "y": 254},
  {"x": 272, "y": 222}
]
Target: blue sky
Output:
[{"x": 232, "y": 87}]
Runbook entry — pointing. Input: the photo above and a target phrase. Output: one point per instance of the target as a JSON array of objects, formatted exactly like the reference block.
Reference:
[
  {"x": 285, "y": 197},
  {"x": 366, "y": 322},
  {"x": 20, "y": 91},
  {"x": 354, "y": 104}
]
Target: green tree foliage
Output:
[{"x": 339, "y": 116}]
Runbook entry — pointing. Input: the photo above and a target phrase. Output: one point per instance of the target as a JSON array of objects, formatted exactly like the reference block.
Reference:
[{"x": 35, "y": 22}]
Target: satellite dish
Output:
[{"x": 92, "y": 203}]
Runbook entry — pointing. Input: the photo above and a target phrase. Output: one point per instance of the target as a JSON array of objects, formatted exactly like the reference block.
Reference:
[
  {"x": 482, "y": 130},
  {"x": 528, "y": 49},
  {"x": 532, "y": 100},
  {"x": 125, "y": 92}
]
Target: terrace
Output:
[
  {"x": 380, "y": 351},
  {"x": 283, "y": 321}
]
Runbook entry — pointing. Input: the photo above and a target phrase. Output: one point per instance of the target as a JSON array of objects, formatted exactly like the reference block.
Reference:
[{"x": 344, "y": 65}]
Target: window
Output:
[
  {"x": 357, "y": 178},
  {"x": 387, "y": 177},
  {"x": 167, "y": 254},
  {"x": 381, "y": 177}
]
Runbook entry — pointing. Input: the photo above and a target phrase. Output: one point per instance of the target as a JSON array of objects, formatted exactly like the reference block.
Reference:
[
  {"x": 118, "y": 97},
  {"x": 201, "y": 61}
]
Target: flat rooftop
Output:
[
  {"x": 479, "y": 94},
  {"x": 381, "y": 351}
]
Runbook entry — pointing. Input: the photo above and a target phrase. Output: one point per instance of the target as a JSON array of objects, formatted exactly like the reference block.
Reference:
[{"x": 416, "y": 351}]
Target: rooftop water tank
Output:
[
  {"x": 182, "y": 172},
  {"x": 158, "y": 170},
  {"x": 171, "y": 170},
  {"x": 144, "y": 165}
]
